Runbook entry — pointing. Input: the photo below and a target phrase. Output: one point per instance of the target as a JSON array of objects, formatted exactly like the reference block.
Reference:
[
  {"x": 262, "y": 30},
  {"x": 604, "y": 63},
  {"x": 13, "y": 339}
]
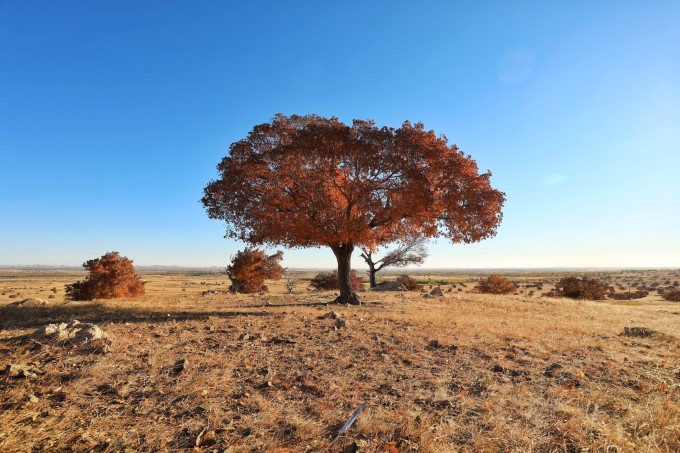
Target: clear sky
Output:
[{"x": 113, "y": 115}]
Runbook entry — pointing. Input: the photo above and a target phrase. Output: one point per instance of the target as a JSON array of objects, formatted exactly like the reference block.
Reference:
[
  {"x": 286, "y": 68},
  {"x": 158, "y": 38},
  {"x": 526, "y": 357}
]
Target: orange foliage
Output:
[
  {"x": 309, "y": 181},
  {"x": 495, "y": 284},
  {"x": 329, "y": 281},
  {"x": 250, "y": 268},
  {"x": 111, "y": 276}
]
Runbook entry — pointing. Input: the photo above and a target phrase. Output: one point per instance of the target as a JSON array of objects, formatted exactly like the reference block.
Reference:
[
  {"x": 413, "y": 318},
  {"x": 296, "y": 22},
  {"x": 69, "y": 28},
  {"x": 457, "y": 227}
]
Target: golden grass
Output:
[{"x": 466, "y": 372}]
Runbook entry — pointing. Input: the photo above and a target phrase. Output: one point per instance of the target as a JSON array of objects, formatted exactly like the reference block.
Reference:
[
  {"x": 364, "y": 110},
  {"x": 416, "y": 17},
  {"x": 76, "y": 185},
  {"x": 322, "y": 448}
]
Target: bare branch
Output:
[{"x": 411, "y": 251}]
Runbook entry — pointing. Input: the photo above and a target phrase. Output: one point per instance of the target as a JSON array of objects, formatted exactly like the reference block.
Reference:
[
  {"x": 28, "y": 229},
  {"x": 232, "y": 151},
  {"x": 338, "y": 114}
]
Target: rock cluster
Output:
[
  {"x": 435, "y": 292},
  {"x": 74, "y": 332},
  {"x": 390, "y": 286},
  {"x": 340, "y": 322},
  {"x": 31, "y": 302}
]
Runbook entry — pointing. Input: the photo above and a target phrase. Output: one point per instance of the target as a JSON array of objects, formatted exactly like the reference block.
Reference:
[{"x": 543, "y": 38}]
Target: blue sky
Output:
[{"x": 113, "y": 116}]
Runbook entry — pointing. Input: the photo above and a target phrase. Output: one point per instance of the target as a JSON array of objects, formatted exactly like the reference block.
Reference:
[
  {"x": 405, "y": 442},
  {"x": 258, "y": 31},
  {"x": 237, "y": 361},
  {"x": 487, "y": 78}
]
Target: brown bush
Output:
[
  {"x": 627, "y": 296},
  {"x": 672, "y": 295},
  {"x": 250, "y": 268},
  {"x": 329, "y": 281},
  {"x": 584, "y": 289},
  {"x": 110, "y": 276},
  {"x": 495, "y": 284},
  {"x": 409, "y": 283}
]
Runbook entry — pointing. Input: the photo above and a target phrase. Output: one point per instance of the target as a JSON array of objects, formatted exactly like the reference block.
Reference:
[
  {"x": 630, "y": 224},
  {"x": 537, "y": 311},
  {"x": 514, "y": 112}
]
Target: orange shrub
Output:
[
  {"x": 110, "y": 276},
  {"x": 250, "y": 268},
  {"x": 495, "y": 284}
]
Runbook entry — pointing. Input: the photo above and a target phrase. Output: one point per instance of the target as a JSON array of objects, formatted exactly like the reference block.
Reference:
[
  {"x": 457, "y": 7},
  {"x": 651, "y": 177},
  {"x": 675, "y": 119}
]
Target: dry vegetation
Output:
[{"x": 465, "y": 372}]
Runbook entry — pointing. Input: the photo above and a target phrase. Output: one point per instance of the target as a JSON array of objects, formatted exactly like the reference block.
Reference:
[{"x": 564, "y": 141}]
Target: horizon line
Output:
[{"x": 395, "y": 269}]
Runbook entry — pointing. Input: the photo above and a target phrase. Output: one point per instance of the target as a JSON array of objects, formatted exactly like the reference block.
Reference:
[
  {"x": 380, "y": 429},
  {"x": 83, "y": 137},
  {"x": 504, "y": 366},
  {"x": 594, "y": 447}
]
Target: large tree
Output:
[
  {"x": 411, "y": 250},
  {"x": 309, "y": 181}
]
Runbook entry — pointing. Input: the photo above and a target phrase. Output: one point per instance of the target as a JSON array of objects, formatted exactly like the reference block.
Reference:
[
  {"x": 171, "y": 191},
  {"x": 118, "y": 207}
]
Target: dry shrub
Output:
[
  {"x": 111, "y": 276},
  {"x": 409, "y": 283},
  {"x": 626, "y": 296},
  {"x": 250, "y": 268},
  {"x": 583, "y": 289},
  {"x": 672, "y": 295},
  {"x": 495, "y": 284},
  {"x": 329, "y": 281}
]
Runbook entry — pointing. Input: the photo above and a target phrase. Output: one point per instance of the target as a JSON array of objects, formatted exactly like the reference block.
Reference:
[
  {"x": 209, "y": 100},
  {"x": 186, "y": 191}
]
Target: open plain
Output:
[{"x": 190, "y": 366}]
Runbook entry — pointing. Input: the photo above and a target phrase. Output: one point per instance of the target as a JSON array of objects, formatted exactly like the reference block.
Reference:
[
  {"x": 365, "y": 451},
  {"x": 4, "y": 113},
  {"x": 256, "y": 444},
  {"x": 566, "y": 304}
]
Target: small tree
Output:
[
  {"x": 291, "y": 282},
  {"x": 329, "y": 281},
  {"x": 250, "y": 268},
  {"x": 411, "y": 251},
  {"x": 584, "y": 289},
  {"x": 495, "y": 284},
  {"x": 111, "y": 276},
  {"x": 409, "y": 283}
]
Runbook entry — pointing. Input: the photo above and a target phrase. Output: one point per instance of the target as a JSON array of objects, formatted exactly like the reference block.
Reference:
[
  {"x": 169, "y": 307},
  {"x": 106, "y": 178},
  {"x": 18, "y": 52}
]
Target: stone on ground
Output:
[
  {"x": 390, "y": 286},
  {"x": 75, "y": 332},
  {"x": 31, "y": 302}
]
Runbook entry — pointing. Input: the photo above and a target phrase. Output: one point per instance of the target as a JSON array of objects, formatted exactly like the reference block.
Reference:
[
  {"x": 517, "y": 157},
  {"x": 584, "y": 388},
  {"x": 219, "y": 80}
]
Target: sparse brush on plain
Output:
[
  {"x": 472, "y": 373},
  {"x": 111, "y": 276},
  {"x": 495, "y": 284},
  {"x": 250, "y": 268}
]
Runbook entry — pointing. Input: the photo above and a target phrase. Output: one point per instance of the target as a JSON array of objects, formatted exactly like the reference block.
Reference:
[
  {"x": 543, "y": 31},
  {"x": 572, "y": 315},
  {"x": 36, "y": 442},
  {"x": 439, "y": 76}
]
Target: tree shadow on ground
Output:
[{"x": 97, "y": 312}]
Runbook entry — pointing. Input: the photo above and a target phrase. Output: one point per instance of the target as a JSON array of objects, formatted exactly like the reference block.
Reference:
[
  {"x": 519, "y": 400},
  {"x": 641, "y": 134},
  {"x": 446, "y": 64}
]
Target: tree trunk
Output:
[
  {"x": 368, "y": 257},
  {"x": 343, "y": 253},
  {"x": 235, "y": 285},
  {"x": 371, "y": 275}
]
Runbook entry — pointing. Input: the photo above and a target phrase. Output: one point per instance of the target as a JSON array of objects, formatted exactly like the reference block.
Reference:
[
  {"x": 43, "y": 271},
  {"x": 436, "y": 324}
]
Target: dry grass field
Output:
[{"x": 464, "y": 372}]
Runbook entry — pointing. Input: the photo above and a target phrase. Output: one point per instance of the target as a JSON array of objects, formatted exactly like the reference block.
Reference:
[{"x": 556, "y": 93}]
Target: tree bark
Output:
[
  {"x": 235, "y": 285},
  {"x": 343, "y": 253},
  {"x": 371, "y": 275},
  {"x": 367, "y": 256}
]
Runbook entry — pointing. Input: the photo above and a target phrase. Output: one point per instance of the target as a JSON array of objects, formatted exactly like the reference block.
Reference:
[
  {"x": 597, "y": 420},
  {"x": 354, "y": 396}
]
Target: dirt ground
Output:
[{"x": 463, "y": 372}]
